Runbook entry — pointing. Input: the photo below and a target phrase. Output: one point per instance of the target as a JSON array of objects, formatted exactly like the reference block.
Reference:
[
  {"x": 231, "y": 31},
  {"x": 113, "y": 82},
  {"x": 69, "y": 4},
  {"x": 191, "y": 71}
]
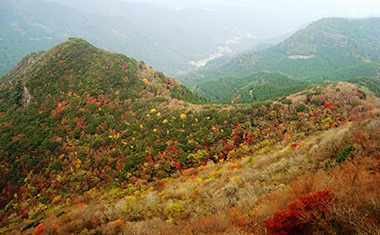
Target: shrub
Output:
[
  {"x": 301, "y": 108},
  {"x": 344, "y": 155},
  {"x": 173, "y": 209},
  {"x": 210, "y": 224},
  {"x": 301, "y": 216}
]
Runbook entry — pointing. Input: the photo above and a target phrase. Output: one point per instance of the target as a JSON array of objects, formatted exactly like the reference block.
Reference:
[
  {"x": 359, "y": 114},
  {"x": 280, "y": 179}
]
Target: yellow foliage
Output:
[
  {"x": 58, "y": 197},
  {"x": 165, "y": 121},
  {"x": 116, "y": 136},
  {"x": 146, "y": 82},
  {"x": 78, "y": 164},
  {"x": 59, "y": 178},
  {"x": 158, "y": 114},
  {"x": 183, "y": 116},
  {"x": 131, "y": 198},
  {"x": 153, "y": 110}
]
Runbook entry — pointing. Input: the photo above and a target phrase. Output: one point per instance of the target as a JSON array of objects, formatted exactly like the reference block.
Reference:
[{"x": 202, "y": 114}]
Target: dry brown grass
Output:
[{"x": 220, "y": 199}]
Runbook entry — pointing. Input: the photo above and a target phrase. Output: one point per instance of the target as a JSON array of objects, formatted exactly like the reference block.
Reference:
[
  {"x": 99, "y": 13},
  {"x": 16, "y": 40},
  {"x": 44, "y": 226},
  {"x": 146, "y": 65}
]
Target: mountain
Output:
[
  {"x": 329, "y": 49},
  {"x": 76, "y": 96},
  {"x": 259, "y": 86},
  {"x": 173, "y": 41},
  {"x": 96, "y": 142}
]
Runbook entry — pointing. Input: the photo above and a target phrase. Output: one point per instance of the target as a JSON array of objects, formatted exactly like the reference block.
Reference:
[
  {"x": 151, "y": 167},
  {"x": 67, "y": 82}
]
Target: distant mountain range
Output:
[
  {"x": 173, "y": 41},
  {"x": 330, "y": 49}
]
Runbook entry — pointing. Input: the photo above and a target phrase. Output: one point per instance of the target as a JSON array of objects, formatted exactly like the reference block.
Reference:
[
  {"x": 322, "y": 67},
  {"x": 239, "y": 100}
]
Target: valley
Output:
[
  {"x": 330, "y": 49},
  {"x": 168, "y": 39}
]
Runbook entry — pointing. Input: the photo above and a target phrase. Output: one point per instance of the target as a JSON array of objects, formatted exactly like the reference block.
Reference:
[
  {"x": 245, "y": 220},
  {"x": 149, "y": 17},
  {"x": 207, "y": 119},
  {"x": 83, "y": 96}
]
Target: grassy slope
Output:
[{"x": 338, "y": 153}]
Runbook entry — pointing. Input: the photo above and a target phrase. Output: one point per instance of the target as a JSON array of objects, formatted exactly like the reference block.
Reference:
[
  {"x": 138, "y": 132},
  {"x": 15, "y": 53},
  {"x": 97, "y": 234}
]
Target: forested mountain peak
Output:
[
  {"x": 78, "y": 68},
  {"x": 328, "y": 45},
  {"x": 338, "y": 32},
  {"x": 74, "y": 95}
]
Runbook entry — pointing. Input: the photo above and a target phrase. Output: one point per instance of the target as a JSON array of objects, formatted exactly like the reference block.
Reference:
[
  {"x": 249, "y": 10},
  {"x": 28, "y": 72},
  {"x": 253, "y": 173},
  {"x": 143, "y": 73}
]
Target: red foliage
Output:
[
  {"x": 293, "y": 146},
  {"x": 171, "y": 148},
  {"x": 299, "y": 216},
  {"x": 328, "y": 105},
  {"x": 149, "y": 159},
  {"x": 227, "y": 148},
  {"x": 177, "y": 165},
  {"x": 40, "y": 229},
  {"x": 92, "y": 100},
  {"x": 248, "y": 138}
]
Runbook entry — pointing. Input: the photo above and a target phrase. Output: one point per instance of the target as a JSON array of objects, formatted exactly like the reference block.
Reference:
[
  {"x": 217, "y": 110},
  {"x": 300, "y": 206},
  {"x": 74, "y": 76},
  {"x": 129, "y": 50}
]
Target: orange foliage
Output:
[
  {"x": 234, "y": 166},
  {"x": 211, "y": 224},
  {"x": 239, "y": 218}
]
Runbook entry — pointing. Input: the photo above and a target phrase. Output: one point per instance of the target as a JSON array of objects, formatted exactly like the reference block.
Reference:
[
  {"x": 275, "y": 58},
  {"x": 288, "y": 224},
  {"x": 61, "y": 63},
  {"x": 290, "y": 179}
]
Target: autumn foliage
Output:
[
  {"x": 300, "y": 216},
  {"x": 106, "y": 147}
]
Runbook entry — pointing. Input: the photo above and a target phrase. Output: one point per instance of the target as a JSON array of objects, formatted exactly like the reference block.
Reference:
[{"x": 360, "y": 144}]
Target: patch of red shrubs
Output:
[{"x": 299, "y": 216}]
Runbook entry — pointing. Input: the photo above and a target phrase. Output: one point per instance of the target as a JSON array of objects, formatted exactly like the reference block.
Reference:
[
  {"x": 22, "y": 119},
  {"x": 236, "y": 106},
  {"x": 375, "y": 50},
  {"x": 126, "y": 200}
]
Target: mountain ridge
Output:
[{"x": 329, "y": 49}]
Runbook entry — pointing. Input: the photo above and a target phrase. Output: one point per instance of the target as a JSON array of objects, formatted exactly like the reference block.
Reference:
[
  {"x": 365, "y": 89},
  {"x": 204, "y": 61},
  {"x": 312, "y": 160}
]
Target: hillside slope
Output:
[
  {"x": 331, "y": 49},
  {"x": 96, "y": 142},
  {"x": 73, "y": 103}
]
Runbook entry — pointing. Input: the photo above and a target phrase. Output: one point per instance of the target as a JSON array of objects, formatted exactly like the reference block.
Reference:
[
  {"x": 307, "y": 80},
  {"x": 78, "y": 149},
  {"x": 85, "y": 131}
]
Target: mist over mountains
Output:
[{"x": 174, "y": 41}]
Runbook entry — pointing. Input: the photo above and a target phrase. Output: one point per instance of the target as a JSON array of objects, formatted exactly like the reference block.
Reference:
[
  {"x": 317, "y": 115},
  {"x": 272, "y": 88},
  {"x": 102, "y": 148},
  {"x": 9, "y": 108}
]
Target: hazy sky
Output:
[{"x": 314, "y": 8}]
